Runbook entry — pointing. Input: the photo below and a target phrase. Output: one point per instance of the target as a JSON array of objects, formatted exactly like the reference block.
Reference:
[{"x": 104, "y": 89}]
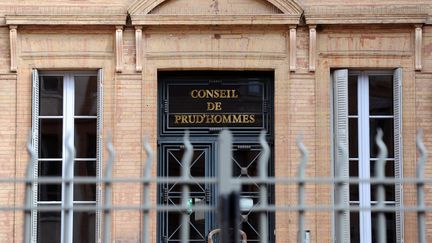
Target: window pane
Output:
[
  {"x": 51, "y": 96},
  {"x": 355, "y": 227},
  {"x": 353, "y": 188},
  {"x": 389, "y": 189},
  {"x": 353, "y": 137},
  {"x": 85, "y": 95},
  {"x": 49, "y": 192},
  {"x": 84, "y": 227},
  {"x": 381, "y": 95},
  {"x": 85, "y": 138},
  {"x": 387, "y": 126},
  {"x": 85, "y": 192},
  {"x": 390, "y": 225},
  {"x": 352, "y": 95},
  {"x": 48, "y": 227},
  {"x": 50, "y": 138}
]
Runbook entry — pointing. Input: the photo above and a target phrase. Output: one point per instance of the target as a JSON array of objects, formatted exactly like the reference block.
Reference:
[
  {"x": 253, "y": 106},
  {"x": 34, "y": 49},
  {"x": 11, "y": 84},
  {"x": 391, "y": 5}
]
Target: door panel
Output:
[
  {"x": 171, "y": 166},
  {"x": 245, "y": 165}
]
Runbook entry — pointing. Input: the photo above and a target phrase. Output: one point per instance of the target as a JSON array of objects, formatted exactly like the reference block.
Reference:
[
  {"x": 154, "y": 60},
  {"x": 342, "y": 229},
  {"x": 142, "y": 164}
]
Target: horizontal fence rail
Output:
[{"x": 229, "y": 188}]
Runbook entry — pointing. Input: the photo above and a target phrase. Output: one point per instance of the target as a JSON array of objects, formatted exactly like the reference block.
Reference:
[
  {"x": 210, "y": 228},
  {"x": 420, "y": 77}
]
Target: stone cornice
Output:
[
  {"x": 429, "y": 21},
  {"x": 381, "y": 14},
  {"x": 65, "y": 19},
  {"x": 279, "y": 19}
]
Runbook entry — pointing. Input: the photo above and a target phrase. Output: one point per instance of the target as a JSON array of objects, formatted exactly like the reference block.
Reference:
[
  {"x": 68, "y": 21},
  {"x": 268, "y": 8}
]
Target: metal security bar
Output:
[{"x": 229, "y": 189}]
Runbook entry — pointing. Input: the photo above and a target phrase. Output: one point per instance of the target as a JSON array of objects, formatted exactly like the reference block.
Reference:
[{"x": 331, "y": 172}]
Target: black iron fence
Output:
[{"x": 229, "y": 189}]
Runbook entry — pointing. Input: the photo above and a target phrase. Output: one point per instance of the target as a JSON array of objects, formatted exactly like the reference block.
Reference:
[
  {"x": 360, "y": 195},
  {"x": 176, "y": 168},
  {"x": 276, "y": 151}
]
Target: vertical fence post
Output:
[
  {"x": 108, "y": 190},
  {"x": 185, "y": 173},
  {"x": 229, "y": 208},
  {"x": 340, "y": 207},
  {"x": 421, "y": 221},
  {"x": 68, "y": 191},
  {"x": 263, "y": 175},
  {"x": 380, "y": 175},
  {"x": 146, "y": 190},
  {"x": 28, "y": 191},
  {"x": 301, "y": 188}
]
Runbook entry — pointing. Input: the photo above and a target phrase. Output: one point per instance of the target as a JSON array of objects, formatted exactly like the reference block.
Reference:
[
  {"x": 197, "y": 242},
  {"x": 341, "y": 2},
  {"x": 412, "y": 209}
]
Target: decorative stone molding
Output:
[
  {"x": 418, "y": 47},
  {"x": 138, "y": 48},
  {"x": 216, "y": 56},
  {"x": 429, "y": 21},
  {"x": 293, "y": 48},
  {"x": 365, "y": 54},
  {"x": 119, "y": 49},
  {"x": 312, "y": 47},
  {"x": 278, "y": 19},
  {"x": 377, "y": 14},
  {"x": 66, "y": 19},
  {"x": 61, "y": 8},
  {"x": 13, "y": 47}
]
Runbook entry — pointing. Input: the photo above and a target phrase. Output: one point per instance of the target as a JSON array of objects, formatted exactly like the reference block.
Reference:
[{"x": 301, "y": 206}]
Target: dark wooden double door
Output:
[{"x": 246, "y": 153}]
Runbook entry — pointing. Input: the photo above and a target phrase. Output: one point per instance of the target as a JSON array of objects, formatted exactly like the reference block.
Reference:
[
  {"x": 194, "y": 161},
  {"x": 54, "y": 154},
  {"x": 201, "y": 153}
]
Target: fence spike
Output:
[
  {"x": 28, "y": 202},
  {"x": 421, "y": 217},
  {"x": 146, "y": 189},
  {"x": 263, "y": 174},
  {"x": 108, "y": 189},
  {"x": 380, "y": 174},
  {"x": 225, "y": 165},
  {"x": 301, "y": 187},
  {"x": 186, "y": 162}
]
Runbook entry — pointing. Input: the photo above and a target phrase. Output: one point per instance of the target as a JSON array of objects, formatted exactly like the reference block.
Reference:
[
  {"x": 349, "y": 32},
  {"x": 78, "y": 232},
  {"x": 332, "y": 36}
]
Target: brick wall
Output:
[{"x": 302, "y": 102}]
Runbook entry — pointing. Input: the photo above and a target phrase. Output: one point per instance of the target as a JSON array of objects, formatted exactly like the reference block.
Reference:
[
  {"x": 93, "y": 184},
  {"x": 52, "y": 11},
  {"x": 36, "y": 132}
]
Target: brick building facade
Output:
[{"x": 127, "y": 45}]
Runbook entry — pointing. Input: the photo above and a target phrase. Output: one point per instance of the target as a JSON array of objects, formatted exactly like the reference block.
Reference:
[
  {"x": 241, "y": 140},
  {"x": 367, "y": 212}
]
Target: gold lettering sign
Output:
[
  {"x": 214, "y": 119},
  {"x": 214, "y": 94},
  {"x": 220, "y": 105}
]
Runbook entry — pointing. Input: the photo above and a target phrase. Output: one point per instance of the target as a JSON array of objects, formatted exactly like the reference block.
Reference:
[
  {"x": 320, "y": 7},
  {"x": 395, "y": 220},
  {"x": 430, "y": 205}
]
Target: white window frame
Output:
[
  {"x": 340, "y": 118},
  {"x": 67, "y": 117}
]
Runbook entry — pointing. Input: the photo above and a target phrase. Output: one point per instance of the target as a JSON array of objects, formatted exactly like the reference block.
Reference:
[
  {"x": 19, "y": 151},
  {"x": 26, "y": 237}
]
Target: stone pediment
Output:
[
  {"x": 216, "y": 7},
  {"x": 214, "y": 12}
]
